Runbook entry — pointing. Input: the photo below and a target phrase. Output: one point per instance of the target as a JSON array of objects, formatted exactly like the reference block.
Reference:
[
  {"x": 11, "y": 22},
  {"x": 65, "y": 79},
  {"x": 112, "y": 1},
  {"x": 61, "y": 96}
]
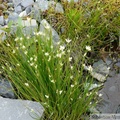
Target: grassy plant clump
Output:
[
  {"x": 52, "y": 73},
  {"x": 43, "y": 72},
  {"x": 96, "y": 23}
]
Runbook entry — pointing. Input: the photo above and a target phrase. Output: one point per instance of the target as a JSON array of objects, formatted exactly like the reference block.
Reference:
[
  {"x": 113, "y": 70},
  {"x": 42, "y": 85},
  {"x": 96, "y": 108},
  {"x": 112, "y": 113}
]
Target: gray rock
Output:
[
  {"x": 13, "y": 17},
  {"x": 111, "y": 92},
  {"x": 31, "y": 22},
  {"x": 10, "y": 4},
  {"x": 105, "y": 107},
  {"x": 20, "y": 109},
  {"x": 59, "y": 8},
  {"x": 2, "y": 21},
  {"x": 23, "y": 14},
  {"x": 26, "y": 3},
  {"x": 118, "y": 110},
  {"x": 118, "y": 64},
  {"x": 101, "y": 67},
  {"x": 16, "y": 2},
  {"x": 47, "y": 29},
  {"x": 28, "y": 9},
  {"x": 30, "y": 26},
  {"x": 35, "y": 14},
  {"x": 43, "y": 5},
  {"x": 18, "y": 9},
  {"x": 6, "y": 89}
]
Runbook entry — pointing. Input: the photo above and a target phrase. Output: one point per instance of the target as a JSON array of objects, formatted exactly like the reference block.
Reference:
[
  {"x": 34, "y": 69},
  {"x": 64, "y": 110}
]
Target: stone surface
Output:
[
  {"x": 100, "y": 77},
  {"x": 23, "y": 14},
  {"x": 13, "y": 17},
  {"x": 105, "y": 106},
  {"x": 31, "y": 22},
  {"x": 10, "y": 4},
  {"x": 26, "y": 3},
  {"x": 43, "y": 5},
  {"x": 6, "y": 89},
  {"x": 118, "y": 110},
  {"x": 118, "y": 64},
  {"x": 92, "y": 86},
  {"x": 59, "y": 8},
  {"x": 101, "y": 67},
  {"x": 2, "y": 20},
  {"x": 28, "y": 10},
  {"x": 35, "y": 13},
  {"x": 19, "y": 109},
  {"x": 44, "y": 24},
  {"x": 16, "y": 2},
  {"x": 18, "y": 9},
  {"x": 111, "y": 92}
]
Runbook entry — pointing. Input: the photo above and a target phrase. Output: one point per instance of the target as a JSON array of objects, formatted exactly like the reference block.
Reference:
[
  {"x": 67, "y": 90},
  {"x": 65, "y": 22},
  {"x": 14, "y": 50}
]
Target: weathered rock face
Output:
[
  {"x": 2, "y": 21},
  {"x": 19, "y": 109},
  {"x": 110, "y": 95},
  {"x": 45, "y": 26},
  {"x": 6, "y": 89}
]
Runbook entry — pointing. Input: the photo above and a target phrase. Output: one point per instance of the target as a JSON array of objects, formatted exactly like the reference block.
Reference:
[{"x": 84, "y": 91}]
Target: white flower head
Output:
[
  {"x": 58, "y": 55},
  {"x": 13, "y": 51},
  {"x": 100, "y": 95},
  {"x": 18, "y": 64},
  {"x": 61, "y": 64},
  {"x": 32, "y": 110},
  {"x": 46, "y": 96},
  {"x": 35, "y": 59},
  {"x": 68, "y": 51},
  {"x": 10, "y": 68},
  {"x": 68, "y": 40},
  {"x": 60, "y": 92},
  {"x": 23, "y": 47},
  {"x": 88, "y": 48},
  {"x": 31, "y": 64},
  {"x": 90, "y": 68},
  {"x": 35, "y": 66},
  {"x": 71, "y": 77},
  {"x": 70, "y": 59},
  {"x": 25, "y": 52},
  {"x": 62, "y": 48},
  {"x": 51, "y": 46},
  {"x": 8, "y": 44},
  {"x": 26, "y": 84},
  {"x": 88, "y": 36},
  {"x": 72, "y": 86},
  {"x": 36, "y": 40},
  {"x": 21, "y": 38},
  {"x": 71, "y": 67},
  {"x": 16, "y": 39},
  {"x": 46, "y": 54},
  {"x": 53, "y": 81},
  {"x": 31, "y": 59}
]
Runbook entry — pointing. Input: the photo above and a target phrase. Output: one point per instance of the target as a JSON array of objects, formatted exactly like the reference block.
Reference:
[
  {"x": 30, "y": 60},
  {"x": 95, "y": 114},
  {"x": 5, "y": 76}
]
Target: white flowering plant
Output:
[{"x": 43, "y": 72}]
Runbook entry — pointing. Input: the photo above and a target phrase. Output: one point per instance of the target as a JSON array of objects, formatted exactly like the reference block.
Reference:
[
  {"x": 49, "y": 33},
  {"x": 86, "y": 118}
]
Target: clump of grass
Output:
[
  {"x": 45, "y": 73},
  {"x": 51, "y": 75},
  {"x": 96, "y": 23}
]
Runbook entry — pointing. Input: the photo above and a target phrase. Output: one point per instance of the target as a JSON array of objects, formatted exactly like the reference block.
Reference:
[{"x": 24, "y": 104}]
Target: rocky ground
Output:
[{"x": 106, "y": 73}]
